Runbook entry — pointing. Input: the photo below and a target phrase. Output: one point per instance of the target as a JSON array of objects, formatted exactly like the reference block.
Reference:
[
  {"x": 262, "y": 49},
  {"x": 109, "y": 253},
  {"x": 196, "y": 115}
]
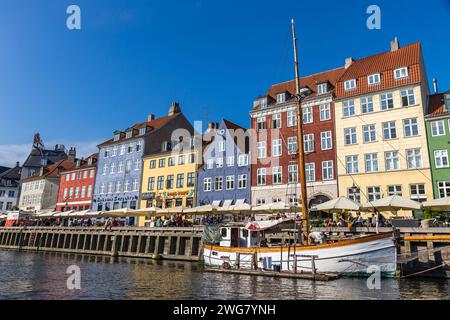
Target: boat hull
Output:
[{"x": 357, "y": 257}]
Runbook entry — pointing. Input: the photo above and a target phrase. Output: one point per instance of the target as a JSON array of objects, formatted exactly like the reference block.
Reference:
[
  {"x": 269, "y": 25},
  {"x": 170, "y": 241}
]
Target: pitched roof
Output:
[
  {"x": 3, "y": 169},
  {"x": 389, "y": 60},
  {"x": 10, "y": 174},
  {"x": 85, "y": 163},
  {"x": 436, "y": 106},
  {"x": 155, "y": 124},
  {"x": 311, "y": 81},
  {"x": 231, "y": 125},
  {"x": 53, "y": 170},
  {"x": 52, "y": 156},
  {"x": 383, "y": 63}
]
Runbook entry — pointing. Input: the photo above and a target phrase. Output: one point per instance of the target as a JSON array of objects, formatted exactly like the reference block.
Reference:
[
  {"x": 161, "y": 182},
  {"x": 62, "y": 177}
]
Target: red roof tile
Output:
[
  {"x": 52, "y": 170},
  {"x": 436, "y": 106}
]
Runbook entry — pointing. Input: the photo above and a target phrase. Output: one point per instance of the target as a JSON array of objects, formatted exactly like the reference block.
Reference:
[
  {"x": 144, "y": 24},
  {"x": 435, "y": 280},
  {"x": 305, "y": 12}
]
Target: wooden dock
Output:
[{"x": 275, "y": 274}]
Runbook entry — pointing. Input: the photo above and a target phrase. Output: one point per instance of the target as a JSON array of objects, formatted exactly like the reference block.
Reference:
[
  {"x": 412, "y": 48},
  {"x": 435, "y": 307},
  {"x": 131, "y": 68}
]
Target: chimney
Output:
[
  {"x": 150, "y": 117},
  {"x": 174, "y": 108},
  {"x": 72, "y": 154},
  {"x": 394, "y": 44},
  {"x": 435, "y": 87},
  {"x": 17, "y": 164},
  {"x": 348, "y": 62}
]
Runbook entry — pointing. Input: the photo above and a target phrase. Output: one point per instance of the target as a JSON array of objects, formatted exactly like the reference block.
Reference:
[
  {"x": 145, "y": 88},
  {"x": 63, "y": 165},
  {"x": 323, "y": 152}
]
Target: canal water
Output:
[{"x": 25, "y": 275}]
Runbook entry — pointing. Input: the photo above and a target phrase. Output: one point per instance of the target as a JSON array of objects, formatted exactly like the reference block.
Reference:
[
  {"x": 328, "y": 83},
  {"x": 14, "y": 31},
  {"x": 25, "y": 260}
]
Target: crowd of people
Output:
[{"x": 359, "y": 221}]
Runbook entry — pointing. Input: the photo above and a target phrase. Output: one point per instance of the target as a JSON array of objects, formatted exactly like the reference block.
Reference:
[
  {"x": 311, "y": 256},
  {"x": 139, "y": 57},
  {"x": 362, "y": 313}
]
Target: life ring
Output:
[{"x": 226, "y": 265}]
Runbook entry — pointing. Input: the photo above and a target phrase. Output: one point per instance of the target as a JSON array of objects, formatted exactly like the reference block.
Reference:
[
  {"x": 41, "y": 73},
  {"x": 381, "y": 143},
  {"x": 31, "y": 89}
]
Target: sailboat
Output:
[{"x": 245, "y": 246}]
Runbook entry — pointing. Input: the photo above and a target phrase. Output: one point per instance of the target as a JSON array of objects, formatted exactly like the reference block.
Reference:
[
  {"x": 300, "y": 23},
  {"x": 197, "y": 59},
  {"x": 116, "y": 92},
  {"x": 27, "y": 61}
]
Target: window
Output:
[
  {"x": 395, "y": 191},
  {"x": 64, "y": 194},
  {"x": 122, "y": 149},
  {"x": 444, "y": 189},
  {"x": 207, "y": 184},
  {"x": 142, "y": 131},
  {"x": 276, "y": 148},
  {"x": 277, "y": 175},
  {"x": 291, "y": 118},
  {"x": 441, "y": 159},
  {"x": 218, "y": 185},
  {"x": 230, "y": 161},
  {"x": 352, "y": 164},
  {"x": 262, "y": 150},
  {"x": 389, "y": 130},
  {"x": 102, "y": 189},
  {"x": 350, "y": 136},
  {"x": 387, "y": 101},
  {"x": 73, "y": 176},
  {"x": 230, "y": 182},
  {"x": 261, "y": 123},
  {"x": 127, "y": 186},
  {"x": 354, "y": 194},
  {"x": 371, "y": 162},
  {"x": 130, "y": 148},
  {"x": 400, "y": 73},
  {"x": 67, "y": 177},
  {"x": 293, "y": 173},
  {"x": 260, "y": 202},
  {"x": 180, "y": 180},
  {"x": 170, "y": 181},
  {"x": 325, "y": 112},
  {"x": 118, "y": 186},
  {"x": 152, "y": 164},
  {"x": 222, "y": 145},
  {"x": 437, "y": 128},
  {"x": 171, "y": 162},
  {"x": 276, "y": 121},
  {"x": 418, "y": 192},
  {"x": 243, "y": 160},
  {"x": 392, "y": 159},
  {"x": 89, "y": 192},
  {"x": 327, "y": 170},
  {"x": 322, "y": 88},
  {"x": 85, "y": 174},
  {"x": 349, "y": 108},
  {"x": 110, "y": 189},
  {"x": 350, "y": 84},
  {"x": 410, "y": 127},
  {"x": 414, "y": 158},
  {"x": 162, "y": 163},
  {"x": 92, "y": 173},
  {"x": 219, "y": 163},
  {"x": 192, "y": 158},
  {"x": 242, "y": 181},
  {"x": 281, "y": 97},
  {"x": 128, "y": 167},
  {"x": 308, "y": 142},
  {"x": 369, "y": 133},
  {"x": 408, "y": 98},
  {"x": 447, "y": 102},
  {"x": 181, "y": 160},
  {"x": 373, "y": 193},
  {"x": 151, "y": 183},
  {"x": 326, "y": 140},
  {"x": 104, "y": 169},
  {"x": 310, "y": 172},
  {"x": 112, "y": 168},
  {"x": 210, "y": 164},
  {"x": 191, "y": 179},
  {"x": 307, "y": 115},
  {"x": 106, "y": 155},
  {"x": 261, "y": 176},
  {"x": 292, "y": 145},
  {"x": 373, "y": 79},
  {"x": 160, "y": 184},
  {"x": 366, "y": 104},
  {"x": 263, "y": 103},
  {"x": 83, "y": 192},
  {"x": 114, "y": 151}
]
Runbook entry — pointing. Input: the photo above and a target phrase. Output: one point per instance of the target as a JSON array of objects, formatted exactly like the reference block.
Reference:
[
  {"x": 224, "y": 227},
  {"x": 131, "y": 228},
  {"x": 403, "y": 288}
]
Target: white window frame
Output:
[
  {"x": 261, "y": 172},
  {"x": 440, "y": 156},
  {"x": 277, "y": 172},
  {"x": 374, "y": 79},
  {"x": 367, "y": 105},
  {"x": 308, "y": 143},
  {"x": 414, "y": 158},
  {"x": 352, "y": 134},
  {"x": 410, "y": 124},
  {"x": 348, "y": 108},
  {"x": 401, "y": 73},
  {"x": 327, "y": 170},
  {"x": 326, "y": 140},
  {"x": 308, "y": 116},
  {"x": 435, "y": 125},
  {"x": 325, "y": 112},
  {"x": 392, "y": 160},
  {"x": 277, "y": 148},
  {"x": 371, "y": 163},
  {"x": 350, "y": 85}
]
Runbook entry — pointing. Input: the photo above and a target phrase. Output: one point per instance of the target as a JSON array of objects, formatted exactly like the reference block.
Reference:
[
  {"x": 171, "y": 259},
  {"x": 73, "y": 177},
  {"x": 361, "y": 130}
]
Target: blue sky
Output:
[{"x": 135, "y": 57}]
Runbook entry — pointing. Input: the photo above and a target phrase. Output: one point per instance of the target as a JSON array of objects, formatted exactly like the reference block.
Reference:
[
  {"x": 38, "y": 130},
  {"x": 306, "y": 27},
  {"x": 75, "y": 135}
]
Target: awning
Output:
[
  {"x": 441, "y": 205},
  {"x": 337, "y": 205}
]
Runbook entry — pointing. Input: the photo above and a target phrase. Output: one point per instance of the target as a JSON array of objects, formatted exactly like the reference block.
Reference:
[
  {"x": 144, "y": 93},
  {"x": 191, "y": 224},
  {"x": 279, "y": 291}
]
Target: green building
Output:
[{"x": 438, "y": 133}]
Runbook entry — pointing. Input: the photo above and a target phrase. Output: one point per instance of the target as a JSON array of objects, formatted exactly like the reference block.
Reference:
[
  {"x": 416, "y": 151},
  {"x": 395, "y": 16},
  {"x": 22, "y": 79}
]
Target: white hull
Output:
[{"x": 351, "y": 258}]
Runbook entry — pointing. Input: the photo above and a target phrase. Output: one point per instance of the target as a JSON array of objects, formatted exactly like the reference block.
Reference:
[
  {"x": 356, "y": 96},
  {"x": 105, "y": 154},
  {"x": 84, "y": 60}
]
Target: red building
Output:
[
  {"x": 77, "y": 186},
  {"x": 274, "y": 145}
]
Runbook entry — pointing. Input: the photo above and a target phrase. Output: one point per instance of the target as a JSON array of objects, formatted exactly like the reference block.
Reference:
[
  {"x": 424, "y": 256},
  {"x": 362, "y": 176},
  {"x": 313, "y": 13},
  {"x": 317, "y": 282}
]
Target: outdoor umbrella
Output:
[
  {"x": 275, "y": 207},
  {"x": 337, "y": 205},
  {"x": 393, "y": 203},
  {"x": 440, "y": 205}
]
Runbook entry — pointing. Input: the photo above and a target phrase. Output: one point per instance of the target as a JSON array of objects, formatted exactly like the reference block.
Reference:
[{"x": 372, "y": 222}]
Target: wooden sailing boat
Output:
[{"x": 241, "y": 245}]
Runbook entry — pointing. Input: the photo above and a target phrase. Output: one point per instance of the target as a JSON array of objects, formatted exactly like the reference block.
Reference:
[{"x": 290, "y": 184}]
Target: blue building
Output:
[
  {"x": 119, "y": 167},
  {"x": 226, "y": 169}
]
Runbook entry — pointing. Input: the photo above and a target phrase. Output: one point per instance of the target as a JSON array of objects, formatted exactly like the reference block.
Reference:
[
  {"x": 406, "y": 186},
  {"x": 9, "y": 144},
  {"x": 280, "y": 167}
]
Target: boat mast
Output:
[{"x": 301, "y": 154}]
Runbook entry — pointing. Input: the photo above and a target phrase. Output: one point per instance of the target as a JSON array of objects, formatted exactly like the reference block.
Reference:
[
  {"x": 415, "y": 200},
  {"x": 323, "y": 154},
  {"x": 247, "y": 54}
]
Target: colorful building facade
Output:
[
  {"x": 226, "y": 169},
  {"x": 118, "y": 179},
  {"x": 274, "y": 147},
  {"x": 10, "y": 188},
  {"x": 380, "y": 127},
  {"x": 438, "y": 132},
  {"x": 76, "y": 187}
]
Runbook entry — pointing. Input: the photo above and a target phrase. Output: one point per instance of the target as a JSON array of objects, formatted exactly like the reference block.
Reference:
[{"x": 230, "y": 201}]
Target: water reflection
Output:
[{"x": 43, "y": 276}]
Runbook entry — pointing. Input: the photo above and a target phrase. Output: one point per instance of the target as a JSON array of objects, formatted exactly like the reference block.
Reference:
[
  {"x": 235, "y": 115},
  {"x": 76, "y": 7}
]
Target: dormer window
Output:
[
  {"x": 90, "y": 161},
  {"x": 350, "y": 84},
  {"x": 447, "y": 102},
  {"x": 401, "y": 73},
  {"x": 78, "y": 163},
  {"x": 263, "y": 103},
  {"x": 281, "y": 97},
  {"x": 142, "y": 131},
  {"x": 322, "y": 88},
  {"x": 116, "y": 136},
  {"x": 373, "y": 79},
  {"x": 165, "y": 146},
  {"x": 129, "y": 134}
]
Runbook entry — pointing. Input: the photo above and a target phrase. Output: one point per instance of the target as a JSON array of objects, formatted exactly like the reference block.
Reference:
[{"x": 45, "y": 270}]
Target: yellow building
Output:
[
  {"x": 380, "y": 128},
  {"x": 169, "y": 180}
]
